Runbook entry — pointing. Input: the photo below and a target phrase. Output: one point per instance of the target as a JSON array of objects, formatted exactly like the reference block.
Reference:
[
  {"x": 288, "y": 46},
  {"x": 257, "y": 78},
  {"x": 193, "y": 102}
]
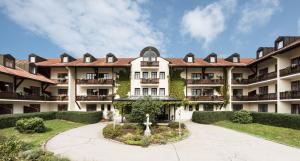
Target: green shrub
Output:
[
  {"x": 275, "y": 119},
  {"x": 209, "y": 117},
  {"x": 31, "y": 125},
  {"x": 175, "y": 125},
  {"x": 10, "y": 147},
  {"x": 110, "y": 132},
  {"x": 242, "y": 117},
  {"x": 80, "y": 117},
  {"x": 40, "y": 155},
  {"x": 11, "y": 119}
]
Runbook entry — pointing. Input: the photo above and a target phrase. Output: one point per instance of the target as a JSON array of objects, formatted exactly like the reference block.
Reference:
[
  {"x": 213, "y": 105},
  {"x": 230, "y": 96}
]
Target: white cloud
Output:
[
  {"x": 205, "y": 24},
  {"x": 257, "y": 13},
  {"x": 95, "y": 26}
]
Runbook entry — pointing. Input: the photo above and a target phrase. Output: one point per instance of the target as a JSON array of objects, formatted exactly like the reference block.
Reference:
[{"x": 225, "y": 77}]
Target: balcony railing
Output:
[
  {"x": 269, "y": 96},
  {"x": 94, "y": 98},
  {"x": 13, "y": 95},
  {"x": 239, "y": 81},
  {"x": 290, "y": 70},
  {"x": 149, "y": 63},
  {"x": 60, "y": 81},
  {"x": 205, "y": 98},
  {"x": 290, "y": 95},
  {"x": 150, "y": 80},
  {"x": 205, "y": 81},
  {"x": 259, "y": 78},
  {"x": 95, "y": 81}
]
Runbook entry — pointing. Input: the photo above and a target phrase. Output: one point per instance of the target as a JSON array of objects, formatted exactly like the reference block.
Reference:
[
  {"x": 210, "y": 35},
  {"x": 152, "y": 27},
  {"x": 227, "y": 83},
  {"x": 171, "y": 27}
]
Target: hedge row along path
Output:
[{"x": 207, "y": 142}]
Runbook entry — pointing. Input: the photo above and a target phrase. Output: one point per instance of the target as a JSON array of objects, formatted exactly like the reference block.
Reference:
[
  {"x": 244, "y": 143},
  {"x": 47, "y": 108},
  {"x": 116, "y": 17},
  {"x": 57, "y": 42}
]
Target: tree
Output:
[{"x": 144, "y": 106}]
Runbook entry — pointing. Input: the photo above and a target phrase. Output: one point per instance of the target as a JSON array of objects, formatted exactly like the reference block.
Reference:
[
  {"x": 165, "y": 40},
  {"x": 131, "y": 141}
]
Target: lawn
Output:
[
  {"x": 37, "y": 139},
  {"x": 277, "y": 134}
]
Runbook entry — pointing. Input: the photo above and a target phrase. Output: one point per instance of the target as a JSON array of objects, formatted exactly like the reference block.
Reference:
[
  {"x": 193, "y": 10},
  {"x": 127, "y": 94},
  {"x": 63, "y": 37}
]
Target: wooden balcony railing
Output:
[
  {"x": 205, "y": 81},
  {"x": 149, "y": 63},
  {"x": 58, "y": 98},
  {"x": 290, "y": 70},
  {"x": 263, "y": 77},
  {"x": 60, "y": 81},
  {"x": 269, "y": 96},
  {"x": 239, "y": 81},
  {"x": 95, "y": 81},
  {"x": 205, "y": 98},
  {"x": 13, "y": 95},
  {"x": 94, "y": 98},
  {"x": 149, "y": 80},
  {"x": 290, "y": 95}
]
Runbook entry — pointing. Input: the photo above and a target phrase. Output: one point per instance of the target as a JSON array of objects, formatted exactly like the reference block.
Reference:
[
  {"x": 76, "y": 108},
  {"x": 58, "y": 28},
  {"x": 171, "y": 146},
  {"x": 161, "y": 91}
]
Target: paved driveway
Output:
[{"x": 206, "y": 143}]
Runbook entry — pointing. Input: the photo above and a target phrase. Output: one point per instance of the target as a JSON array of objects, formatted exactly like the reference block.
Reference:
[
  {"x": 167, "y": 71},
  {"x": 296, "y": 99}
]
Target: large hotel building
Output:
[{"x": 270, "y": 82}]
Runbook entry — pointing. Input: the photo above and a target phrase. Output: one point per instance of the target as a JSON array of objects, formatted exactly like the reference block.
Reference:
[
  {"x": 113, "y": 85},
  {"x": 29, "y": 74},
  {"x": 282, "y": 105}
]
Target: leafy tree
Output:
[{"x": 144, "y": 106}]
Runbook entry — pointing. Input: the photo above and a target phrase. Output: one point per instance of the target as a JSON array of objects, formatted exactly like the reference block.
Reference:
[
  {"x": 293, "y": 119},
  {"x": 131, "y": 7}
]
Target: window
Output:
[
  {"x": 87, "y": 59},
  {"x": 260, "y": 54},
  {"x": 190, "y": 108},
  {"x": 145, "y": 91},
  {"x": 295, "y": 61},
  {"x": 263, "y": 90},
  {"x": 92, "y": 92},
  {"x": 190, "y": 59},
  {"x": 262, "y": 107},
  {"x": 196, "y": 75},
  {"x": 62, "y": 75},
  {"x": 31, "y": 108},
  {"x": 145, "y": 75},
  {"x": 212, "y": 59},
  {"x": 35, "y": 90},
  {"x": 32, "y": 59},
  {"x": 62, "y": 92},
  {"x": 104, "y": 75},
  {"x": 295, "y": 109},
  {"x": 196, "y": 92},
  {"x": 276, "y": 109},
  {"x": 137, "y": 91},
  {"x": 62, "y": 107},
  {"x": 6, "y": 109},
  {"x": 149, "y": 56},
  {"x": 153, "y": 74},
  {"x": 110, "y": 59},
  {"x": 90, "y": 75},
  {"x": 208, "y": 107},
  {"x": 237, "y": 92},
  {"x": 102, "y": 107},
  {"x": 161, "y": 91},
  {"x": 237, "y": 107},
  {"x": 32, "y": 69},
  {"x": 6, "y": 87},
  {"x": 162, "y": 75},
  {"x": 108, "y": 107},
  {"x": 263, "y": 71},
  {"x": 237, "y": 76},
  {"x": 208, "y": 92},
  {"x": 103, "y": 92},
  {"x": 91, "y": 107},
  {"x": 9, "y": 63},
  {"x": 295, "y": 85},
  {"x": 209, "y": 75},
  {"x": 153, "y": 91},
  {"x": 137, "y": 75},
  {"x": 197, "y": 107},
  {"x": 235, "y": 59},
  {"x": 65, "y": 59},
  {"x": 280, "y": 45}
]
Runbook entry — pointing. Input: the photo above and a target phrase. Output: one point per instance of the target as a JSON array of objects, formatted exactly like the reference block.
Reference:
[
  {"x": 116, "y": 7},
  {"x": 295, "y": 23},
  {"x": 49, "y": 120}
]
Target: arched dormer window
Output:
[
  {"x": 211, "y": 58},
  {"x": 149, "y": 54},
  {"x": 111, "y": 58},
  {"x": 234, "y": 58},
  {"x": 88, "y": 58},
  {"x": 65, "y": 58},
  {"x": 189, "y": 58}
]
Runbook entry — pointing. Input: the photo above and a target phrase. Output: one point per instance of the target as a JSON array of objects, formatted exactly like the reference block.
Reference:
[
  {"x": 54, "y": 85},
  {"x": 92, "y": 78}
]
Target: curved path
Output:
[{"x": 206, "y": 143}]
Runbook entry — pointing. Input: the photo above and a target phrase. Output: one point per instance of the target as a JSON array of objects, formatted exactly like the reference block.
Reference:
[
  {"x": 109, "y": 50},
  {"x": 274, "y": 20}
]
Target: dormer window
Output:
[
  {"x": 212, "y": 59},
  {"x": 235, "y": 59},
  {"x": 10, "y": 63},
  {"x": 260, "y": 54},
  {"x": 32, "y": 69},
  {"x": 280, "y": 45},
  {"x": 190, "y": 59},
  {"x": 149, "y": 56},
  {"x": 32, "y": 59},
  {"x": 65, "y": 59},
  {"x": 110, "y": 59},
  {"x": 87, "y": 59}
]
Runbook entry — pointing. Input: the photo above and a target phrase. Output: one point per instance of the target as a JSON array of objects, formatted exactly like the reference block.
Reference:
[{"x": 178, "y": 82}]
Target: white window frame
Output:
[
  {"x": 137, "y": 75},
  {"x": 137, "y": 91},
  {"x": 65, "y": 59},
  {"x": 162, "y": 91},
  {"x": 190, "y": 59},
  {"x": 32, "y": 59},
  {"x": 280, "y": 45},
  {"x": 235, "y": 59},
  {"x": 87, "y": 59},
  {"x": 110, "y": 59},
  {"x": 260, "y": 54},
  {"x": 212, "y": 59}
]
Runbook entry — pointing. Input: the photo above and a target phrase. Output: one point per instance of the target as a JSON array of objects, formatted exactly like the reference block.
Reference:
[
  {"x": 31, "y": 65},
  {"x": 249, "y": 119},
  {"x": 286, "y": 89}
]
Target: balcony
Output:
[
  {"x": 269, "y": 96},
  {"x": 290, "y": 70},
  {"x": 149, "y": 63},
  {"x": 263, "y": 77},
  {"x": 205, "y": 81},
  {"x": 205, "y": 98},
  {"x": 239, "y": 81},
  {"x": 290, "y": 95},
  {"x": 58, "y": 98},
  {"x": 18, "y": 96},
  {"x": 95, "y": 98},
  {"x": 149, "y": 80},
  {"x": 95, "y": 81},
  {"x": 60, "y": 81}
]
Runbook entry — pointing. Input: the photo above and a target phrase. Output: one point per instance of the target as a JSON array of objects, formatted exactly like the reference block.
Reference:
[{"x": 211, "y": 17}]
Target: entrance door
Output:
[{"x": 164, "y": 114}]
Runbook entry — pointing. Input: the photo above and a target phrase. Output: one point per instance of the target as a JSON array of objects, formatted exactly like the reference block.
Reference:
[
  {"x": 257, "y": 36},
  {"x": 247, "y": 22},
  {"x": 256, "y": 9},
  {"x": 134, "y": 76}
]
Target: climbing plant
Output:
[
  {"x": 176, "y": 85},
  {"x": 123, "y": 82},
  {"x": 223, "y": 91}
]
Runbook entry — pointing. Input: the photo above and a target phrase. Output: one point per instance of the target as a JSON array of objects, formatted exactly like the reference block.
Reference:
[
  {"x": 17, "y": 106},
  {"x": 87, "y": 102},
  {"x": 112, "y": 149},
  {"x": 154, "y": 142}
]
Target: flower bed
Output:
[{"x": 133, "y": 134}]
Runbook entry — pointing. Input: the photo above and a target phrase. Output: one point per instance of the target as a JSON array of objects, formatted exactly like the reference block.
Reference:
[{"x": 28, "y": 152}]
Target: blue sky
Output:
[{"x": 51, "y": 27}]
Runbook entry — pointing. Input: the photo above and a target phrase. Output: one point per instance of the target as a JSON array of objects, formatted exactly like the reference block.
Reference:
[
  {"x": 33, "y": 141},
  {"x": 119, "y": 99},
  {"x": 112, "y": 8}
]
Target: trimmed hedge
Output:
[
  {"x": 80, "y": 117},
  {"x": 275, "y": 119},
  {"x": 208, "y": 117}
]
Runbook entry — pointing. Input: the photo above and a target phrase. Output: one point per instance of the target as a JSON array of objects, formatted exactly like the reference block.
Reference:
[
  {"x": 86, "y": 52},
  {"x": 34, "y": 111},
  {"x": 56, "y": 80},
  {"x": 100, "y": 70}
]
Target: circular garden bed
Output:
[{"x": 133, "y": 134}]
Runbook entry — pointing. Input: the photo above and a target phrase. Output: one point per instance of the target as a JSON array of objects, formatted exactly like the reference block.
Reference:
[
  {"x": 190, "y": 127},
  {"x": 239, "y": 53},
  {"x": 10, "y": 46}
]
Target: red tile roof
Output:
[
  {"x": 22, "y": 73},
  {"x": 201, "y": 62}
]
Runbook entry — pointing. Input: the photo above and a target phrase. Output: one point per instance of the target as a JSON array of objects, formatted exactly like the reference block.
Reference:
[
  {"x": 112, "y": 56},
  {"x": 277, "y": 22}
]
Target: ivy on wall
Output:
[
  {"x": 123, "y": 82},
  {"x": 176, "y": 85},
  {"x": 223, "y": 91}
]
